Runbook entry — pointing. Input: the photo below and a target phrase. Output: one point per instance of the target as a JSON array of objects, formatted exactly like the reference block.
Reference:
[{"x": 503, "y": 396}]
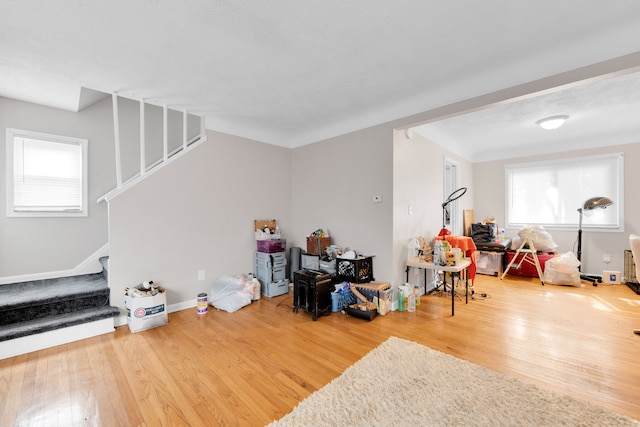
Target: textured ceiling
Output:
[
  {"x": 602, "y": 113},
  {"x": 293, "y": 72}
]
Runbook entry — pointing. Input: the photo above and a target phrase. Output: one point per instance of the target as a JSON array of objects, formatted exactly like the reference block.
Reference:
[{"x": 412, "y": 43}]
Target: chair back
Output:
[{"x": 634, "y": 242}]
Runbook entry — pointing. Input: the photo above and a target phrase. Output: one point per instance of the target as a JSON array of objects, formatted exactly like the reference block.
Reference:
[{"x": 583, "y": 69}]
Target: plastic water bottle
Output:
[
  {"x": 400, "y": 299},
  {"x": 416, "y": 292},
  {"x": 412, "y": 302}
]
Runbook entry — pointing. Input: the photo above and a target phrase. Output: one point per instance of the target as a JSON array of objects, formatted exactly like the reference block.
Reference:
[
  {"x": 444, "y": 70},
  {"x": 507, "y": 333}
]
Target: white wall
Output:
[
  {"x": 489, "y": 200},
  {"x": 418, "y": 181},
  {"x": 197, "y": 214},
  {"x": 40, "y": 245}
]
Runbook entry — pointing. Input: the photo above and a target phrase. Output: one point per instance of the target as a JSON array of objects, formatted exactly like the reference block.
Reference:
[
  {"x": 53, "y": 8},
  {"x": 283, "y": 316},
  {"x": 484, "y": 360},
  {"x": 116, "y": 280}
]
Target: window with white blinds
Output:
[
  {"x": 46, "y": 174},
  {"x": 549, "y": 193}
]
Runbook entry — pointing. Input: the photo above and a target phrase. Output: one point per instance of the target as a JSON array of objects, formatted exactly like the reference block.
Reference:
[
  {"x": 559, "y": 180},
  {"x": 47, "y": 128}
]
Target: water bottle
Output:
[
  {"x": 416, "y": 292},
  {"x": 400, "y": 300},
  {"x": 412, "y": 302}
]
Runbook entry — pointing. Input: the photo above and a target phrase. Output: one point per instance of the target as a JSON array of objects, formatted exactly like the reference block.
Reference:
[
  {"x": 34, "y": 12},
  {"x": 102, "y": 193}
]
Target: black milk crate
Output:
[
  {"x": 359, "y": 270},
  {"x": 630, "y": 272}
]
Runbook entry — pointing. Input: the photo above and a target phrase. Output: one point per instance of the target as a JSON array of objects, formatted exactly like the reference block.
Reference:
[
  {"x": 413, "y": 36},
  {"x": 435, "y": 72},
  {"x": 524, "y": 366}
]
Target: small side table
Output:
[{"x": 453, "y": 269}]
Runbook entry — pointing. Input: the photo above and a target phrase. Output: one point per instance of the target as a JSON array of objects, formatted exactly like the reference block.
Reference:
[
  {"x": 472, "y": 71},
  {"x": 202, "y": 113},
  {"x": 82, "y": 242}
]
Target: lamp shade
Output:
[{"x": 597, "y": 202}]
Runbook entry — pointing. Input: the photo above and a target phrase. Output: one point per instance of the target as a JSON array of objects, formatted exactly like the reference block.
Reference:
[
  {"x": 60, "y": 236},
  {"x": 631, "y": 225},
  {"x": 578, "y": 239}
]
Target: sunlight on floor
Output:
[{"x": 631, "y": 302}]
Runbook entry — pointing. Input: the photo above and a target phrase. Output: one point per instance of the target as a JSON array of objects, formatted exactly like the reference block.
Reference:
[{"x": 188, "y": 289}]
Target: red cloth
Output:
[{"x": 467, "y": 246}]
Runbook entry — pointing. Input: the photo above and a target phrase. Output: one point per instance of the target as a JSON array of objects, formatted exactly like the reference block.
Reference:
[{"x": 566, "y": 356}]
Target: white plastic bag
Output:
[
  {"x": 562, "y": 269},
  {"x": 223, "y": 287},
  {"x": 233, "y": 302},
  {"x": 541, "y": 239},
  {"x": 231, "y": 293}
]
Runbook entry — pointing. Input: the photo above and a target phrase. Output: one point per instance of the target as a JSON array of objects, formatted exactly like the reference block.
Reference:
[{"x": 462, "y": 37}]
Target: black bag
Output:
[{"x": 482, "y": 233}]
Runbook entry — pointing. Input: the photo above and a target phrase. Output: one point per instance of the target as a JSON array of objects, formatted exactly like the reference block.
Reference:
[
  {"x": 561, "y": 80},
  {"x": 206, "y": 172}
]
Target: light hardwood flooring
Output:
[{"x": 253, "y": 366}]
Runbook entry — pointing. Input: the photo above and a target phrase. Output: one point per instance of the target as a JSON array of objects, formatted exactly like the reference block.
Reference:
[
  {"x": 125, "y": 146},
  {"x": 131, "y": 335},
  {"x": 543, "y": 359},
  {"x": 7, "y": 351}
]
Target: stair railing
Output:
[{"x": 167, "y": 157}]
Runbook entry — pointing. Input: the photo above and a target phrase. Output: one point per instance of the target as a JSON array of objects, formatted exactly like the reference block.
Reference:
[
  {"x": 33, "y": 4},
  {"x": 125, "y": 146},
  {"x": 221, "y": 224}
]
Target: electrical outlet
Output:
[
  {"x": 606, "y": 258},
  {"x": 200, "y": 274}
]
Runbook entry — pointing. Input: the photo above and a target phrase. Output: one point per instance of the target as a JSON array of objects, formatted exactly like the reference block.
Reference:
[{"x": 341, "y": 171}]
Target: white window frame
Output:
[
  {"x": 589, "y": 222},
  {"x": 83, "y": 143}
]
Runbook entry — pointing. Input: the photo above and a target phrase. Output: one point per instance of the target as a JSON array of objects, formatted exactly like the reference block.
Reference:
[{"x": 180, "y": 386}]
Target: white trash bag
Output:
[
  {"x": 540, "y": 237},
  {"x": 231, "y": 293},
  {"x": 562, "y": 269}
]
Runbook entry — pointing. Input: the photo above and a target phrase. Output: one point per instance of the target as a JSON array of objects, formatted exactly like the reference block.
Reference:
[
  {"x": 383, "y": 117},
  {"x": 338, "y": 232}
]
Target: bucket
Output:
[{"x": 202, "y": 303}]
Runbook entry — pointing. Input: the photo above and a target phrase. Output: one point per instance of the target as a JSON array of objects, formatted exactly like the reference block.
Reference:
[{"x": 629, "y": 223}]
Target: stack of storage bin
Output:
[{"x": 271, "y": 271}]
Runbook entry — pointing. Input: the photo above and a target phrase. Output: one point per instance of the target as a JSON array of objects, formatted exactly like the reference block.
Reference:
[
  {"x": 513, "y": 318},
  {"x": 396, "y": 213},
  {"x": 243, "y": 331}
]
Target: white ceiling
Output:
[
  {"x": 602, "y": 113},
  {"x": 293, "y": 72}
]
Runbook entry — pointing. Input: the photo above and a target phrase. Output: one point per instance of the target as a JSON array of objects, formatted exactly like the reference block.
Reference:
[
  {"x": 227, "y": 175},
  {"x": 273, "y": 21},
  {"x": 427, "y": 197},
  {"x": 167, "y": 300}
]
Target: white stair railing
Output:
[{"x": 167, "y": 157}]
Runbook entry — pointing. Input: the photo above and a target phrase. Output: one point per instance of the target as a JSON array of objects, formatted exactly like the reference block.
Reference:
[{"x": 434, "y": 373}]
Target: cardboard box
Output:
[
  {"x": 146, "y": 312},
  {"x": 379, "y": 293},
  {"x": 611, "y": 277},
  {"x": 261, "y": 224},
  {"x": 318, "y": 246}
]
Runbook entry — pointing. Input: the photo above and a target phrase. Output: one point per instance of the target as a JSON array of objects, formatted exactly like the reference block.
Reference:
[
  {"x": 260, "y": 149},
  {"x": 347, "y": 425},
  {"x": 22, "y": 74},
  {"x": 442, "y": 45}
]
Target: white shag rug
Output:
[{"x": 401, "y": 383}]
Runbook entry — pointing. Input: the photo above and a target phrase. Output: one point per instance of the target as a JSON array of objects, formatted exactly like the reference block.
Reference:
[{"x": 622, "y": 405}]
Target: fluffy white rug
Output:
[{"x": 401, "y": 383}]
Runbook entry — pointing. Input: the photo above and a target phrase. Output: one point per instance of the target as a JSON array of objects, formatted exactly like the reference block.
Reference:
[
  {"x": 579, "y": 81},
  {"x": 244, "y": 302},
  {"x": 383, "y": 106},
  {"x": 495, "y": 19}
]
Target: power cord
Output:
[{"x": 481, "y": 295}]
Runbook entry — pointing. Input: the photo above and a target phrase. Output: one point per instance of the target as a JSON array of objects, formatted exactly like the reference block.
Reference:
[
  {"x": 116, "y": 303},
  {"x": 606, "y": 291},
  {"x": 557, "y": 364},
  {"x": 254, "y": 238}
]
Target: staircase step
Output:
[
  {"x": 50, "y": 323},
  {"x": 36, "y": 292}
]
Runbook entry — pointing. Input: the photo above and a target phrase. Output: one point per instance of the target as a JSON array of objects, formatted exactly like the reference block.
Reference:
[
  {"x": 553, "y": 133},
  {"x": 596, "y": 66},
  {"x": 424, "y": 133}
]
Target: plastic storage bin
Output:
[
  {"x": 527, "y": 268},
  {"x": 271, "y": 246},
  {"x": 274, "y": 289},
  {"x": 489, "y": 263}
]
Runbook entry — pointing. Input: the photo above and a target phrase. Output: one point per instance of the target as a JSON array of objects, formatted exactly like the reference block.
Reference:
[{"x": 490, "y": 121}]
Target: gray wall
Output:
[
  {"x": 40, "y": 245},
  {"x": 332, "y": 185},
  {"x": 197, "y": 214}
]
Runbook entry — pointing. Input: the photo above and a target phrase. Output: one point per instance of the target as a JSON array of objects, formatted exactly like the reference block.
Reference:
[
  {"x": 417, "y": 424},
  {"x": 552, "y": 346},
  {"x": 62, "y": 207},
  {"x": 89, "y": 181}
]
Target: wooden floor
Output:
[{"x": 253, "y": 366}]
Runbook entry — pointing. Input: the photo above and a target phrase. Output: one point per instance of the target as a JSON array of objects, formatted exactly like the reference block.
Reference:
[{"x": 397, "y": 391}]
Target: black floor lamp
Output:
[{"x": 592, "y": 203}]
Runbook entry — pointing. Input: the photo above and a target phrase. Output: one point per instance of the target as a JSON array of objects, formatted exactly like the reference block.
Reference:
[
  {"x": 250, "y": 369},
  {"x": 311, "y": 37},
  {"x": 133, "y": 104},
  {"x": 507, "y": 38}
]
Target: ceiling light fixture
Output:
[{"x": 550, "y": 123}]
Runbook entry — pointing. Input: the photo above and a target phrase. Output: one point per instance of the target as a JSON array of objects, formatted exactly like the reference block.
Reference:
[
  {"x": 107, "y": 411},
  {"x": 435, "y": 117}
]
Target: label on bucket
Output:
[{"x": 202, "y": 303}]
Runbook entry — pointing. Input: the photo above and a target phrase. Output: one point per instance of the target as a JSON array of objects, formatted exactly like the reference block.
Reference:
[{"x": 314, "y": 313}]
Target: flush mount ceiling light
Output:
[{"x": 550, "y": 123}]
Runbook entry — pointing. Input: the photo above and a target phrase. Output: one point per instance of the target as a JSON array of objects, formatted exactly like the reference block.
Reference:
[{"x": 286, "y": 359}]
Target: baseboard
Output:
[
  {"x": 88, "y": 266},
  {"x": 28, "y": 344}
]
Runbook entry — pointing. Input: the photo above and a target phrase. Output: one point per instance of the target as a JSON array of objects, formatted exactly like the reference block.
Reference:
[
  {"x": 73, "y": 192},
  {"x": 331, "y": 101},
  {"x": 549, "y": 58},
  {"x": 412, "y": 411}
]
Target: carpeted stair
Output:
[{"x": 29, "y": 308}]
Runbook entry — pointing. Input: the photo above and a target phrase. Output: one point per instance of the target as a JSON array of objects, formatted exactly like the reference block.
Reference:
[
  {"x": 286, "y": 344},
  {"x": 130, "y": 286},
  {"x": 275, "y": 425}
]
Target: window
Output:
[
  {"x": 46, "y": 174},
  {"x": 550, "y": 193}
]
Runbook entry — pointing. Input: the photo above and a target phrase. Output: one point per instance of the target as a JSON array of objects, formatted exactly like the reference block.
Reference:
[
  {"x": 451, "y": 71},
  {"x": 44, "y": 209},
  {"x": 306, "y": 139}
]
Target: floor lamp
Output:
[{"x": 592, "y": 203}]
